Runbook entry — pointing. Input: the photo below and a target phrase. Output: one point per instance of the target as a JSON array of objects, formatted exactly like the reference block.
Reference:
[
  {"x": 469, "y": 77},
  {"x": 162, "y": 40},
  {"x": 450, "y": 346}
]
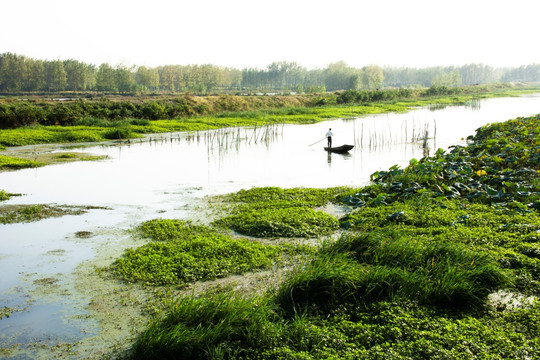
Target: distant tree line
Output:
[{"x": 22, "y": 74}]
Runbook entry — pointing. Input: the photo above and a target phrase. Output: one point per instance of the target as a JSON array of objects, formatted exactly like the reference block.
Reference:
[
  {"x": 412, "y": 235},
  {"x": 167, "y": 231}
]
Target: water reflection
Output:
[{"x": 473, "y": 104}]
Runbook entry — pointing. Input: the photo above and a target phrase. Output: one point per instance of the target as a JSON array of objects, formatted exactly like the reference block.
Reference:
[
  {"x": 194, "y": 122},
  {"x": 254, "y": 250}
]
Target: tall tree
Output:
[
  {"x": 338, "y": 76},
  {"x": 12, "y": 71},
  {"x": 34, "y": 78},
  {"x": 167, "y": 78},
  {"x": 105, "y": 78},
  {"x": 373, "y": 77},
  {"x": 55, "y": 76},
  {"x": 147, "y": 79},
  {"x": 78, "y": 75},
  {"x": 125, "y": 81}
]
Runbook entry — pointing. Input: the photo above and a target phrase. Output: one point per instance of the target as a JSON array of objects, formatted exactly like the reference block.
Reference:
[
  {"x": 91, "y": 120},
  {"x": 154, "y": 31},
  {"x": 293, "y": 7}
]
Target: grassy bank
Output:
[
  {"x": 437, "y": 260},
  {"x": 109, "y": 120},
  {"x": 92, "y": 130}
]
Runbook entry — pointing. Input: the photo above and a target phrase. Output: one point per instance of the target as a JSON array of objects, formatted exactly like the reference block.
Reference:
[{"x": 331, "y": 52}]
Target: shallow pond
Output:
[{"x": 163, "y": 175}]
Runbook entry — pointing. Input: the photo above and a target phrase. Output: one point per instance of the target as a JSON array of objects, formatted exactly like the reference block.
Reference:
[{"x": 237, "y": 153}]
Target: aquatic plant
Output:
[
  {"x": 281, "y": 222},
  {"x": 28, "y": 213},
  {"x": 497, "y": 169},
  {"x": 172, "y": 229},
  {"x": 279, "y": 197},
  {"x": 183, "y": 253},
  {"x": 8, "y": 162},
  {"x": 275, "y": 212},
  {"x": 4, "y": 195}
]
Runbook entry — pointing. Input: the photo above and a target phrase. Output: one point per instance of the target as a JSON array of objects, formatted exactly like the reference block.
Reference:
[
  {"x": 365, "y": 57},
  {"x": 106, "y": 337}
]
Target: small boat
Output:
[{"x": 340, "y": 149}]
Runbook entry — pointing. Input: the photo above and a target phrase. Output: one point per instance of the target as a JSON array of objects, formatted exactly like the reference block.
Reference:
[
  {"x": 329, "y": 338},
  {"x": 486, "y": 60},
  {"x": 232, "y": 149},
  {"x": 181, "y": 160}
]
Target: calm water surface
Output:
[{"x": 160, "y": 178}]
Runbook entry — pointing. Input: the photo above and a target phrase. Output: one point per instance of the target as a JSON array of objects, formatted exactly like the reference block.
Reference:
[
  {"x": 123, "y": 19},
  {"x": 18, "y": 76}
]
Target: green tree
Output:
[
  {"x": 233, "y": 78},
  {"x": 476, "y": 74},
  {"x": 147, "y": 79},
  {"x": 124, "y": 78},
  {"x": 451, "y": 79},
  {"x": 12, "y": 72},
  {"x": 55, "y": 76},
  {"x": 105, "y": 78},
  {"x": 167, "y": 76},
  {"x": 78, "y": 75},
  {"x": 34, "y": 78},
  {"x": 373, "y": 77},
  {"x": 338, "y": 76},
  {"x": 355, "y": 82}
]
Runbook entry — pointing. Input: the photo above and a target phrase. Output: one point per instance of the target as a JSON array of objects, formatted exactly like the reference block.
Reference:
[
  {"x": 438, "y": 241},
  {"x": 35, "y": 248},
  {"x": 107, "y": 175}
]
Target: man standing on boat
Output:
[{"x": 329, "y": 137}]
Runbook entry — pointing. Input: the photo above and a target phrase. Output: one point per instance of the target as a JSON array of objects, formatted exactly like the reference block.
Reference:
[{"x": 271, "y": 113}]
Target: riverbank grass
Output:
[
  {"x": 15, "y": 163},
  {"x": 91, "y": 129}
]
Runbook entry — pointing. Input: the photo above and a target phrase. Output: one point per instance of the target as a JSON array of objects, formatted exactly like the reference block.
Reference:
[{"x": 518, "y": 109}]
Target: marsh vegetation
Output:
[
  {"x": 437, "y": 258},
  {"x": 427, "y": 254}
]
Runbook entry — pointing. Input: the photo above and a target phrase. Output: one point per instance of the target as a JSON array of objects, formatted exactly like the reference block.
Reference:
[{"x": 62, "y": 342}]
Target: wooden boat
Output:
[{"x": 340, "y": 149}]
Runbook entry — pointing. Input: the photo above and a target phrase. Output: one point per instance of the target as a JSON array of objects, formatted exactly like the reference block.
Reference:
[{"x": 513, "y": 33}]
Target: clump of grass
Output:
[
  {"x": 172, "y": 229},
  {"x": 221, "y": 326},
  {"x": 279, "y": 197},
  {"x": 275, "y": 212},
  {"x": 28, "y": 213},
  {"x": 281, "y": 222},
  {"x": 13, "y": 163},
  {"x": 5, "y": 195},
  {"x": 185, "y": 253}
]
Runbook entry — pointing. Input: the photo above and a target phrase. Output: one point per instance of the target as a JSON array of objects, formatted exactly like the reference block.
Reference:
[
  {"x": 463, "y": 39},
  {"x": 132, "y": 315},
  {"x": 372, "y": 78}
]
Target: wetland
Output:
[{"x": 254, "y": 202}]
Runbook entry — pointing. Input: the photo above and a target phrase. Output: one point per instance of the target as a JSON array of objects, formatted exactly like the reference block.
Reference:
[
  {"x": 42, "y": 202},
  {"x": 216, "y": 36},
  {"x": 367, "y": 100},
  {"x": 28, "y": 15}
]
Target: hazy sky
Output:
[{"x": 254, "y": 33}]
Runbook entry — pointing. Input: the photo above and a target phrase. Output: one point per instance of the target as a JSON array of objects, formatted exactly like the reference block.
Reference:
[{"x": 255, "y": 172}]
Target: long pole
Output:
[{"x": 318, "y": 141}]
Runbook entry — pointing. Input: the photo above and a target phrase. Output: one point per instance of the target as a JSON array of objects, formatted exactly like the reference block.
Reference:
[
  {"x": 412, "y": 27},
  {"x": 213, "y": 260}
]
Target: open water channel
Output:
[{"x": 164, "y": 176}]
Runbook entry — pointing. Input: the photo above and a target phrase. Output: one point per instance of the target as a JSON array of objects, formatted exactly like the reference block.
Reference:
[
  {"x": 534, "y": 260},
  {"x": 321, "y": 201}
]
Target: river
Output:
[{"x": 164, "y": 175}]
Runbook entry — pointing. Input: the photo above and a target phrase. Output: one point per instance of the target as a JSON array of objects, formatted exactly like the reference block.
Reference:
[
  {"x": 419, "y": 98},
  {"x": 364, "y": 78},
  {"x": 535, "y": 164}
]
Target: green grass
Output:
[
  {"x": 215, "y": 327},
  {"x": 278, "y": 197},
  {"x": 5, "y": 195},
  {"x": 282, "y": 222},
  {"x": 382, "y": 266},
  {"x": 13, "y": 163},
  {"x": 225, "y": 326},
  {"x": 273, "y": 212},
  {"x": 182, "y": 253}
]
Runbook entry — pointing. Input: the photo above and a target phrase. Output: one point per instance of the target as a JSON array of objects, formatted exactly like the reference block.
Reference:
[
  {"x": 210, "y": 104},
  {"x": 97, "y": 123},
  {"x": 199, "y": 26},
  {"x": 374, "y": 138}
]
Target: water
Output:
[{"x": 162, "y": 177}]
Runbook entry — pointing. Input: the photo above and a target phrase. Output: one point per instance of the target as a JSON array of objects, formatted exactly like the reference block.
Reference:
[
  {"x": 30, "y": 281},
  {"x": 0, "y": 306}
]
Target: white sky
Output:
[{"x": 254, "y": 33}]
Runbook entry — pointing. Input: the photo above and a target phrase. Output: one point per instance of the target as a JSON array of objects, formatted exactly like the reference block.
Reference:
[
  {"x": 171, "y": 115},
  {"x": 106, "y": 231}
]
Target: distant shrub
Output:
[
  {"x": 442, "y": 90},
  {"x": 153, "y": 110}
]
